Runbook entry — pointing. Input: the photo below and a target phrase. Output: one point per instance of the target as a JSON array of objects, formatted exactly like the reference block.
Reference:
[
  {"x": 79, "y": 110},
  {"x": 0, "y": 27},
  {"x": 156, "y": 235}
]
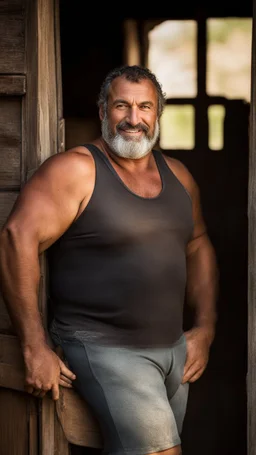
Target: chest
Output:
[
  {"x": 147, "y": 184},
  {"x": 117, "y": 216}
]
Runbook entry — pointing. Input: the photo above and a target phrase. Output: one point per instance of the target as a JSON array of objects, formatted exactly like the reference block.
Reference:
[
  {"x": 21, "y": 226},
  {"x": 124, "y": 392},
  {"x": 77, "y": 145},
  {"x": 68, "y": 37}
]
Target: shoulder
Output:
[
  {"x": 72, "y": 162},
  {"x": 69, "y": 169},
  {"x": 69, "y": 175},
  {"x": 182, "y": 173}
]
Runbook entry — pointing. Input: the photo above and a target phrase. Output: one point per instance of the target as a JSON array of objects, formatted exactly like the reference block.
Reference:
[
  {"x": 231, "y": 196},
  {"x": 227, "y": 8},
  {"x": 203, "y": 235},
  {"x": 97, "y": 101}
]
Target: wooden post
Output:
[{"x": 251, "y": 377}]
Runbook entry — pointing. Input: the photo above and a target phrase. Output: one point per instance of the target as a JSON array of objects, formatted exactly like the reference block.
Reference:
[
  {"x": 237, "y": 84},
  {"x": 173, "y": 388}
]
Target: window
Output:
[
  {"x": 177, "y": 127},
  {"x": 229, "y": 58},
  {"x": 216, "y": 116},
  {"x": 172, "y": 57},
  {"x": 198, "y": 91}
]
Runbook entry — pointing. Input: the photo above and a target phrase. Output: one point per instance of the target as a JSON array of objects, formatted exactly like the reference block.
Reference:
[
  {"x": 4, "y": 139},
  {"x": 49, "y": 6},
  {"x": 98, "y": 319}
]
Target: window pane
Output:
[
  {"x": 229, "y": 57},
  {"x": 172, "y": 57},
  {"x": 177, "y": 127},
  {"x": 216, "y": 115}
]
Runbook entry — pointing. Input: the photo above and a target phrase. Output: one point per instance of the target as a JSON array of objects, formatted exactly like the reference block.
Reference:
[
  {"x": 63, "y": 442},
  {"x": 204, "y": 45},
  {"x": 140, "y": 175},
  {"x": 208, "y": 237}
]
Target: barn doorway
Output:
[{"x": 210, "y": 118}]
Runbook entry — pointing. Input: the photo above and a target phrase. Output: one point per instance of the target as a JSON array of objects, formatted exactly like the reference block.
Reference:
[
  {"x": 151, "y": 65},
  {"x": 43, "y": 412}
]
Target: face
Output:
[{"x": 130, "y": 126}]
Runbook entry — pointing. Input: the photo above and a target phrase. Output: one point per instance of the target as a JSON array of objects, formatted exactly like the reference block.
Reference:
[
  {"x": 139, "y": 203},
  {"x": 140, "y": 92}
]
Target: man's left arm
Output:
[{"x": 202, "y": 293}]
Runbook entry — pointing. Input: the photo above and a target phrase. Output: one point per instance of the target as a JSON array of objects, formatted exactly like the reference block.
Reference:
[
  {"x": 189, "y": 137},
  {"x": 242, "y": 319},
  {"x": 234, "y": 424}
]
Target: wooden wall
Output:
[
  {"x": 31, "y": 129},
  {"x": 14, "y": 434},
  {"x": 12, "y": 92}
]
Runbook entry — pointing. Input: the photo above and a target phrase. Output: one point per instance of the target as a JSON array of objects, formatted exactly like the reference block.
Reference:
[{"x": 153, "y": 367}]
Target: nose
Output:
[{"x": 133, "y": 117}]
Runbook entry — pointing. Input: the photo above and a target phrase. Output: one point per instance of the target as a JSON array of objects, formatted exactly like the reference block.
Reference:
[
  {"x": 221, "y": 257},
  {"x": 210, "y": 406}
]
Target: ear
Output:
[{"x": 101, "y": 113}]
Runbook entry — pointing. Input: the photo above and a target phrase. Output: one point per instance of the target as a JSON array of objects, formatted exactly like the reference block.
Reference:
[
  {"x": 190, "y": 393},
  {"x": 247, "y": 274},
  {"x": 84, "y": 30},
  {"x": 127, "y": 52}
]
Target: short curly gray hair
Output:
[{"x": 132, "y": 73}]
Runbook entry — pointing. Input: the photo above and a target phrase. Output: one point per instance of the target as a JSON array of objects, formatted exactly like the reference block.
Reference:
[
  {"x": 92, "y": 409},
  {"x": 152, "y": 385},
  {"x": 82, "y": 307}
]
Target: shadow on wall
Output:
[{"x": 79, "y": 130}]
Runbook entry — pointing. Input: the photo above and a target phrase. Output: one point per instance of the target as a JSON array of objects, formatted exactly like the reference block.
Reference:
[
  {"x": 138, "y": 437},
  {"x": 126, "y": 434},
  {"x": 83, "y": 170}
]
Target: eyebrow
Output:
[{"x": 120, "y": 100}]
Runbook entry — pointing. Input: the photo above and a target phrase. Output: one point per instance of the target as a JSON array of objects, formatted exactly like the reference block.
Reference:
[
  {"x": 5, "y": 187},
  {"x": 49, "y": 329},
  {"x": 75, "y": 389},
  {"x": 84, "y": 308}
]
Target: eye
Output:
[
  {"x": 145, "y": 107},
  {"x": 121, "y": 106}
]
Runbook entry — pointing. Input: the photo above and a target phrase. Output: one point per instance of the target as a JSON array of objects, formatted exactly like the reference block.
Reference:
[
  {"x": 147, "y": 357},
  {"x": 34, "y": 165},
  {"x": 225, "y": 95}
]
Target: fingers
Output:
[
  {"x": 64, "y": 370},
  {"x": 65, "y": 384},
  {"x": 40, "y": 393},
  {"x": 29, "y": 388},
  {"x": 186, "y": 375},
  {"x": 192, "y": 373},
  {"x": 58, "y": 374},
  {"x": 55, "y": 392},
  {"x": 64, "y": 378},
  {"x": 36, "y": 392},
  {"x": 197, "y": 375}
]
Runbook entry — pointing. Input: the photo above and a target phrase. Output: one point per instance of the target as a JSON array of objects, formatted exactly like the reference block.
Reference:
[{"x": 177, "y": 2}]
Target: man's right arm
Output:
[{"x": 45, "y": 208}]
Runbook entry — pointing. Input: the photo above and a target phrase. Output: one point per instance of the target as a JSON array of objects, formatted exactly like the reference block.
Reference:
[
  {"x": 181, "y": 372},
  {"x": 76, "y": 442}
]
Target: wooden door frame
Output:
[
  {"x": 43, "y": 135},
  {"x": 251, "y": 374}
]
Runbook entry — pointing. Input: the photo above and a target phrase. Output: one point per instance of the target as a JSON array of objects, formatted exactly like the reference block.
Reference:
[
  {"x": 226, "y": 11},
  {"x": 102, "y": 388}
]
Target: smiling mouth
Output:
[
  {"x": 131, "y": 131},
  {"x": 125, "y": 127}
]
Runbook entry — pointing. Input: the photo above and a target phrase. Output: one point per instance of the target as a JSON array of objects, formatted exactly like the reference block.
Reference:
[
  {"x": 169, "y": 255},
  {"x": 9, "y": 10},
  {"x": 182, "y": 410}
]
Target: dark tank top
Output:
[{"x": 118, "y": 274}]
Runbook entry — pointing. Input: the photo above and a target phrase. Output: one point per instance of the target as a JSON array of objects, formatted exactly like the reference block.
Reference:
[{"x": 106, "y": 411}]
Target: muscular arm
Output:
[
  {"x": 46, "y": 206},
  {"x": 202, "y": 292},
  {"x": 202, "y": 272},
  {"x": 202, "y": 283}
]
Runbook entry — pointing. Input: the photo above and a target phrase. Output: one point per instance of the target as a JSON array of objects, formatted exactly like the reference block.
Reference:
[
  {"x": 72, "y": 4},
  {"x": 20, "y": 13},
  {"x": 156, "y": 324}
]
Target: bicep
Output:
[
  {"x": 199, "y": 237},
  {"x": 198, "y": 218},
  {"x": 42, "y": 211}
]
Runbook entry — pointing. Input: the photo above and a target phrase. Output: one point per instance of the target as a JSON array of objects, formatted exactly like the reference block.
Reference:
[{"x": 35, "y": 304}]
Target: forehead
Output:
[{"x": 137, "y": 92}]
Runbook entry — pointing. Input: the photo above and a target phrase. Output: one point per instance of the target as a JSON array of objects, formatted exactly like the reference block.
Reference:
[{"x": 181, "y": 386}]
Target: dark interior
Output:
[{"x": 92, "y": 44}]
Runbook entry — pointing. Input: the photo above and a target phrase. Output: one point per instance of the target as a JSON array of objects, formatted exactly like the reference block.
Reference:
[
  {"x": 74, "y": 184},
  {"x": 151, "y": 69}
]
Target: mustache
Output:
[{"x": 127, "y": 125}]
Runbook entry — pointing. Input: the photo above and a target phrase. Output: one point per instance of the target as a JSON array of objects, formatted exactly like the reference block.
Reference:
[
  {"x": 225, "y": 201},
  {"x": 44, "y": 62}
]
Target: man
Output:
[{"x": 125, "y": 238}]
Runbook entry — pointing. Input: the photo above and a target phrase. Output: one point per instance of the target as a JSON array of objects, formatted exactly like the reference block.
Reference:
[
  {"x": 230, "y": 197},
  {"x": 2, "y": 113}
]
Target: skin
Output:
[{"x": 54, "y": 197}]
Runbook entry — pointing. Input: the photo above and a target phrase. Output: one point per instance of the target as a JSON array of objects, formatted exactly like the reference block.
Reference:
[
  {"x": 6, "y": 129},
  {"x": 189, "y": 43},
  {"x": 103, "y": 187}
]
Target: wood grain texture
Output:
[
  {"x": 12, "y": 373},
  {"x": 6, "y": 326},
  {"x": 14, "y": 437},
  {"x": 47, "y": 427},
  {"x": 61, "y": 444},
  {"x": 10, "y": 141},
  {"x": 12, "y": 38},
  {"x": 12, "y": 6},
  {"x": 32, "y": 406},
  {"x": 7, "y": 199},
  {"x": 32, "y": 132},
  {"x": 12, "y": 85},
  {"x": 79, "y": 425},
  {"x": 40, "y": 126},
  {"x": 40, "y": 130}
]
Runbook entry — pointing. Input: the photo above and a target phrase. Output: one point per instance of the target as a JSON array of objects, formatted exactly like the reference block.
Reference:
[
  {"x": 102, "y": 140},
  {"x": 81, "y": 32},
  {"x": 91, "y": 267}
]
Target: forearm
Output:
[
  {"x": 202, "y": 286},
  {"x": 20, "y": 276}
]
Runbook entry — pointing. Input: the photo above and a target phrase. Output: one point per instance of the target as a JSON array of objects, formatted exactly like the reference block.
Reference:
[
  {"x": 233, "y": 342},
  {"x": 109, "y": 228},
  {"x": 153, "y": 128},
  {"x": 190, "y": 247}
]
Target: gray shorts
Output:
[{"x": 135, "y": 394}]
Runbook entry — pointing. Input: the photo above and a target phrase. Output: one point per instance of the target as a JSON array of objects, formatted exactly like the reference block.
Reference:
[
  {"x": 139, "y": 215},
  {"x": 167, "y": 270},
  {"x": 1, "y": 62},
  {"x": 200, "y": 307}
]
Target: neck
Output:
[{"x": 126, "y": 163}]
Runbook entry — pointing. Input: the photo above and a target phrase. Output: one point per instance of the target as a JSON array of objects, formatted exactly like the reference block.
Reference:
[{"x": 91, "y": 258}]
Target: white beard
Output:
[{"x": 132, "y": 148}]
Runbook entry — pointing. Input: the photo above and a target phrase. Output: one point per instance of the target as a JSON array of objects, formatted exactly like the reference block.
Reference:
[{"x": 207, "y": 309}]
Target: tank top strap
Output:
[
  {"x": 100, "y": 158},
  {"x": 95, "y": 151},
  {"x": 161, "y": 163},
  {"x": 165, "y": 172}
]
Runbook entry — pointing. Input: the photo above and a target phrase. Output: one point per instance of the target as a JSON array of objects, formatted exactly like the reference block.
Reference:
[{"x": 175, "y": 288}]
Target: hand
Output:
[
  {"x": 45, "y": 371},
  {"x": 198, "y": 346}
]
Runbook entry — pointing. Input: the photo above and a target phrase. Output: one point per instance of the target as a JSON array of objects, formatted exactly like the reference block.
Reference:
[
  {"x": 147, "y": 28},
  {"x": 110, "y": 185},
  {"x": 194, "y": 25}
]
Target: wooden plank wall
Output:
[
  {"x": 15, "y": 406},
  {"x": 12, "y": 91},
  {"x": 31, "y": 129}
]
